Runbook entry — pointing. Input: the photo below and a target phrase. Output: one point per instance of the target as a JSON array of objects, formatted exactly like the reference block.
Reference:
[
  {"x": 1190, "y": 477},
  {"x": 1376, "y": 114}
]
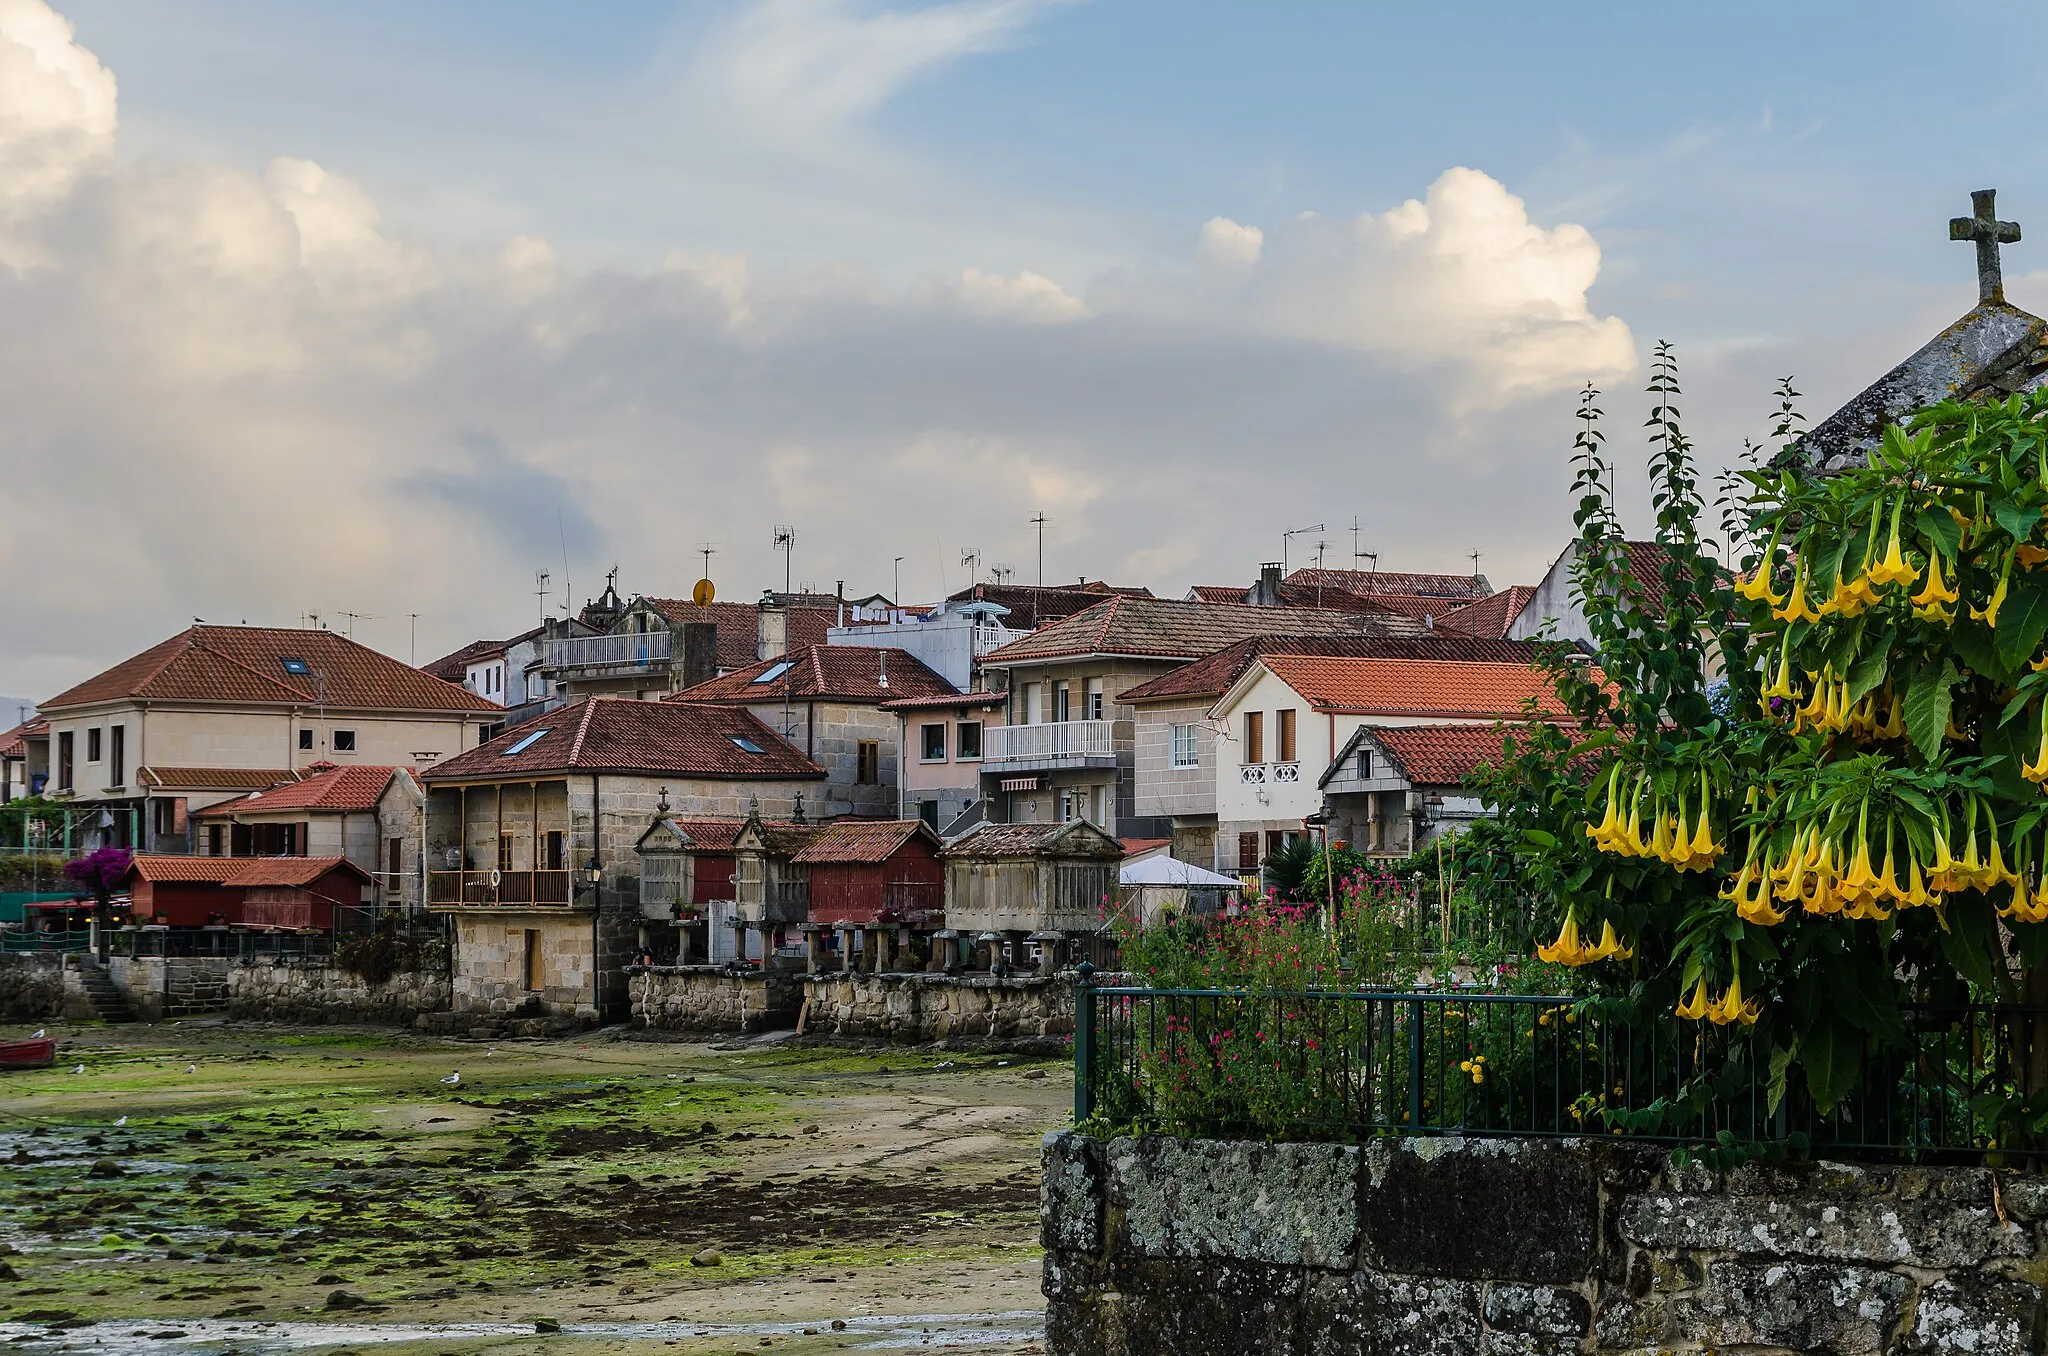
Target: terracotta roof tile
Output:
[
  {"x": 215, "y": 778},
  {"x": 245, "y": 665},
  {"x": 1218, "y": 593},
  {"x": 1373, "y": 583},
  {"x": 289, "y": 872},
  {"x": 711, "y": 835},
  {"x": 453, "y": 668},
  {"x": 864, "y": 840},
  {"x": 1415, "y": 687},
  {"x": 14, "y": 743},
  {"x": 1212, "y": 675},
  {"x": 1173, "y": 629},
  {"x": 1028, "y": 840},
  {"x": 1489, "y": 617},
  {"x": 618, "y": 734},
  {"x": 847, "y": 673},
  {"x": 739, "y": 625},
  {"x": 947, "y": 700},
  {"x": 1439, "y": 755},
  {"x": 337, "y": 790},
  {"x": 208, "y": 870}
]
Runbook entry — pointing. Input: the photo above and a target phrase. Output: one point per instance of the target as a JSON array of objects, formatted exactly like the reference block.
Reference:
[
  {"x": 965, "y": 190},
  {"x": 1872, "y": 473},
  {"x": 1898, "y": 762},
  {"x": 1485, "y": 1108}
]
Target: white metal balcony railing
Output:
[
  {"x": 641, "y": 650},
  {"x": 993, "y": 636},
  {"x": 1053, "y": 739},
  {"x": 1258, "y": 774}
]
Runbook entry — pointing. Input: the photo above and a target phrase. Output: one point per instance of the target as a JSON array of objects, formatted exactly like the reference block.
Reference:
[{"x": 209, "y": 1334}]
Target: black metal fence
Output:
[{"x": 1349, "y": 1066}]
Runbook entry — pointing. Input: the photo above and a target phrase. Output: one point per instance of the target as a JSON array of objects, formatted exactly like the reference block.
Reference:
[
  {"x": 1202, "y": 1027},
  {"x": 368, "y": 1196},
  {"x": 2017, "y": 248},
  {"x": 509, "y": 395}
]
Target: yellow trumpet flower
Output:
[
  {"x": 1894, "y": 569},
  {"x": 1757, "y": 587},
  {"x": 1936, "y": 599},
  {"x": 1781, "y": 686},
  {"x": 1988, "y": 614},
  {"x": 1567, "y": 949},
  {"x": 1608, "y": 829},
  {"x": 1705, "y": 851},
  {"x": 1796, "y": 608},
  {"x": 1731, "y": 1008},
  {"x": 1609, "y": 945},
  {"x": 2029, "y": 555},
  {"x": 2037, "y": 772},
  {"x": 1694, "y": 1008}
]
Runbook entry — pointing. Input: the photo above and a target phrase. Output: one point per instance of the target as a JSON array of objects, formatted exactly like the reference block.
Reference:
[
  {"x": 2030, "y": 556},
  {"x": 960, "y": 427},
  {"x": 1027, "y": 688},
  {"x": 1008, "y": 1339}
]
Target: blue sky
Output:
[{"x": 904, "y": 273}]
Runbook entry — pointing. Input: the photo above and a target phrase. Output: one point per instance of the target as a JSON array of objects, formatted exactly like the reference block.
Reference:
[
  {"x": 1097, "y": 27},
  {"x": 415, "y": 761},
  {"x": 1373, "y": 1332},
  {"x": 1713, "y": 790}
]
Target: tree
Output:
[{"x": 101, "y": 872}]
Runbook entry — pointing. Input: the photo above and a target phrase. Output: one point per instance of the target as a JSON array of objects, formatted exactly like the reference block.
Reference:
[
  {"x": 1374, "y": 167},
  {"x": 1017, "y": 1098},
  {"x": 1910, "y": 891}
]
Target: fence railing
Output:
[
  {"x": 21, "y": 939},
  {"x": 627, "y": 650},
  {"x": 1052, "y": 739},
  {"x": 508, "y": 887},
  {"x": 1348, "y": 1066}
]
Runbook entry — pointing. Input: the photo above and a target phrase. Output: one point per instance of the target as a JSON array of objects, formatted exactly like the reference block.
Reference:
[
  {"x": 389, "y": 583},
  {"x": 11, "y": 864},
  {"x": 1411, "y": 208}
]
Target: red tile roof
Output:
[
  {"x": 1172, "y": 629},
  {"x": 864, "y": 840},
  {"x": 711, "y": 835},
  {"x": 1134, "y": 846},
  {"x": 1490, "y": 617},
  {"x": 739, "y": 624},
  {"x": 1439, "y": 755},
  {"x": 14, "y": 743},
  {"x": 207, "y": 870},
  {"x": 845, "y": 673},
  {"x": 453, "y": 668},
  {"x": 1374, "y": 583},
  {"x": 334, "y": 791},
  {"x": 1415, "y": 687},
  {"x": 1033, "y": 605},
  {"x": 240, "y": 871},
  {"x": 618, "y": 734},
  {"x": 1211, "y": 676},
  {"x": 1218, "y": 593},
  {"x": 244, "y": 666},
  {"x": 215, "y": 778},
  {"x": 947, "y": 700}
]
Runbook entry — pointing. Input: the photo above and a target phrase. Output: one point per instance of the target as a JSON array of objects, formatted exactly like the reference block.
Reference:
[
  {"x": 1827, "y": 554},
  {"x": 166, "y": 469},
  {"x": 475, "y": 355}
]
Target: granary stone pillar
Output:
[{"x": 814, "y": 947}]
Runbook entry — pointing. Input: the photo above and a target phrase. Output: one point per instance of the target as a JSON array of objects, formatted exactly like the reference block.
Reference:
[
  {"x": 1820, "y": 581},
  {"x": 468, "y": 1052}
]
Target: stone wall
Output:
[
  {"x": 711, "y": 999},
  {"x": 919, "y": 1009},
  {"x": 158, "y": 987},
  {"x": 281, "y": 991},
  {"x": 1165, "y": 1247},
  {"x": 31, "y": 986}
]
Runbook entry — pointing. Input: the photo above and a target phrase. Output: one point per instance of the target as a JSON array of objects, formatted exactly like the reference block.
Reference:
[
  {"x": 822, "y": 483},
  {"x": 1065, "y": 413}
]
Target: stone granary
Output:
[
  {"x": 530, "y": 840},
  {"x": 877, "y": 891},
  {"x": 1012, "y": 885}
]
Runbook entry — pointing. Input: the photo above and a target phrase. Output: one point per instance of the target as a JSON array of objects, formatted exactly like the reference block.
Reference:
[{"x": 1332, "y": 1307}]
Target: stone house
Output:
[
  {"x": 1393, "y": 789},
  {"x": 827, "y": 701},
  {"x": 942, "y": 738},
  {"x": 1066, "y": 747},
  {"x": 219, "y": 711},
  {"x": 1175, "y": 738},
  {"x": 1286, "y": 716},
  {"x": 1012, "y": 884},
  {"x": 24, "y": 759},
  {"x": 530, "y": 839},
  {"x": 507, "y": 672},
  {"x": 369, "y": 814}
]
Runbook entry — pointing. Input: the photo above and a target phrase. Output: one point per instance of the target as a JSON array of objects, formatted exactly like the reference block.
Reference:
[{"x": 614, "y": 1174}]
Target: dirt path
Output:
[{"x": 323, "y": 1187}]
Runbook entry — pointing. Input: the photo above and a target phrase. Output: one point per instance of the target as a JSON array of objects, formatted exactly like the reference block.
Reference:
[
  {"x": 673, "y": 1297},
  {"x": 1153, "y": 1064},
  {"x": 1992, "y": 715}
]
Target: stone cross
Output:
[{"x": 1984, "y": 227}]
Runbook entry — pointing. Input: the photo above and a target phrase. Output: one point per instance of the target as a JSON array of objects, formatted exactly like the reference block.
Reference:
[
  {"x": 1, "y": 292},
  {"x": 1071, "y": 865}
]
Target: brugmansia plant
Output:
[{"x": 1817, "y": 768}]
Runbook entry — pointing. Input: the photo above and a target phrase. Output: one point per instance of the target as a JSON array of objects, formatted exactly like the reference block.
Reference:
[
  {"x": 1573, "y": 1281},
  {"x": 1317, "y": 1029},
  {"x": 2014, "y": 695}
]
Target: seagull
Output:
[
  {"x": 40, "y": 1033},
  {"x": 79, "y": 1070},
  {"x": 123, "y": 1121},
  {"x": 191, "y": 1068},
  {"x": 489, "y": 1053},
  {"x": 452, "y": 1079}
]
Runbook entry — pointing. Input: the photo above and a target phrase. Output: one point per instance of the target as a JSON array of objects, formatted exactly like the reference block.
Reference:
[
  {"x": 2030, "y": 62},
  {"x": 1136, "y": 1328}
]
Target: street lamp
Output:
[{"x": 596, "y": 873}]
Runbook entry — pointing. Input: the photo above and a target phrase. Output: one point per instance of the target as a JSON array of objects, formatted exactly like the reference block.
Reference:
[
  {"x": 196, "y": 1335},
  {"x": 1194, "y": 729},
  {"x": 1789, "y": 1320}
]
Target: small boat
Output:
[{"x": 29, "y": 1054}]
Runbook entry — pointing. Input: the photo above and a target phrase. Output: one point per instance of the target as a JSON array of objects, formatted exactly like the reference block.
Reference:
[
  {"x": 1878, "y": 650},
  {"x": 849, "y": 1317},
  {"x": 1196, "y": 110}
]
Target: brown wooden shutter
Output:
[
  {"x": 1248, "y": 852},
  {"x": 1287, "y": 735},
  {"x": 1255, "y": 736}
]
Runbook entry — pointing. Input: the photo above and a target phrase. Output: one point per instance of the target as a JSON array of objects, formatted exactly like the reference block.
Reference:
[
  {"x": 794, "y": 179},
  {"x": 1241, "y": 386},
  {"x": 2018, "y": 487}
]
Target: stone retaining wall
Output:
[
  {"x": 31, "y": 986},
  {"x": 1166, "y": 1247},
  {"x": 921, "y": 1009},
  {"x": 158, "y": 987},
  {"x": 712, "y": 999},
  {"x": 317, "y": 992}
]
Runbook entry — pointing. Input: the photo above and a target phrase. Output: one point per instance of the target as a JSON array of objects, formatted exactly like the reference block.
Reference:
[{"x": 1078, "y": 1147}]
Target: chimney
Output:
[
  {"x": 1268, "y": 592},
  {"x": 771, "y": 628},
  {"x": 840, "y": 594},
  {"x": 700, "y": 652}
]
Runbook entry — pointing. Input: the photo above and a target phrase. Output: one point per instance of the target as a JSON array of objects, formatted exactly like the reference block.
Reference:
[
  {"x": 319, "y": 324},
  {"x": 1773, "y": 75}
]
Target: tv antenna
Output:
[
  {"x": 970, "y": 561},
  {"x": 1475, "y": 564},
  {"x": 540, "y": 593},
  {"x": 1288, "y": 536},
  {"x": 785, "y": 542},
  {"x": 1038, "y": 521},
  {"x": 353, "y": 618},
  {"x": 415, "y": 651},
  {"x": 1000, "y": 573}
]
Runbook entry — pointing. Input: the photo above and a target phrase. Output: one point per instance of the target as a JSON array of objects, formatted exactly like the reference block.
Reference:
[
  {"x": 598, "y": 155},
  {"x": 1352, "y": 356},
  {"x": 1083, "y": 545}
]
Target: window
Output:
[
  {"x": 1365, "y": 765},
  {"x": 1062, "y": 701},
  {"x": 1277, "y": 839},
  {"x": 214, "y": 836},
  {"x": 117, "y": 756},
  {"x": 932, "y": 743},
  {"x": 522, "y": 744},
  {"x": 92, "y": 745},
  {"x": 1070, "y": 804},
  {"x": 305, "y": 739},
  {"x": 167, "y": 816},
  {"x": 1091, "y": 700},
  {"x": 775, "y": 670},
  {"x": 344, "y": 741},
  {"x": 1182, "y": 749},
  {"x": 489, "y": 730},
  {"x": 64, "y": 774},
  {"x": 1032, "y": 713},
  {"x": 1248, "y": 852},
  {"x": 746, "y": 745},
  {"x": 867, "y": 765},
  {"x": 394, "y": 861},
  {"x": 928, "y": 811},
  {"x": 967, "y": 740},
  {"x": 556, "y": 857},
  {"x": 1255, "y": 736},
  {"x": 504, "y": 852},
  {"x": 298, "y": 668},
  {"x": 1286, "y": 732}
]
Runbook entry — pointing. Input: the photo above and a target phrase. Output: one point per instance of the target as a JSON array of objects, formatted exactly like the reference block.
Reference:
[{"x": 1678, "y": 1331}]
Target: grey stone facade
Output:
[
  {"x": 1167, "y": 1247},
  {"x": 158, "y": 987},
  {"x": 281, "y": 991},
  {"x": 966, "y": 1010},
  {"x": 712, "y": 999},
  {"x": 31, "y": 986}
]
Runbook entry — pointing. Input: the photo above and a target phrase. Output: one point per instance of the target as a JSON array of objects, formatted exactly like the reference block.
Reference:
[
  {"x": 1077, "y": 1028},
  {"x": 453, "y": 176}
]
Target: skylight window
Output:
[
  {"x": 745, "y": 744},
  {"x": 774, "y": 671},
  {"x": 296, "y": 666},
  {"x": 523, "y": 743}
]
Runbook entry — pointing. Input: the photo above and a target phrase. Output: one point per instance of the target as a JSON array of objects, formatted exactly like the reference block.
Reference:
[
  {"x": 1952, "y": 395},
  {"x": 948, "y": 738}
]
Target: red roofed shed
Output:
[{"x": 875, "y": 871}]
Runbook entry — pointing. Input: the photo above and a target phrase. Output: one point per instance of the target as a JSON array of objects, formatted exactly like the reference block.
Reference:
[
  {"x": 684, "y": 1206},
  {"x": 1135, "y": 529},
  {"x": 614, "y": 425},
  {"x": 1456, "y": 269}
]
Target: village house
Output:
[
  {"x": 1394, "y": 789},
  {"x": 942, "y": 737},
  {"x": 1175, "y": 738},
  {"x": 1284, "y": 719},
  {"x": 369, "y": 814},
  {"x": 950, "y": 639},
  {"x": 1065, "y": 749},
  {"x": 827, "y": 702},
  {"x": 507, "y": 672},
  {"x": 24, "y": 759},
  {"x": 531, "y": 838},
  {"x": 219, "y": 711}
]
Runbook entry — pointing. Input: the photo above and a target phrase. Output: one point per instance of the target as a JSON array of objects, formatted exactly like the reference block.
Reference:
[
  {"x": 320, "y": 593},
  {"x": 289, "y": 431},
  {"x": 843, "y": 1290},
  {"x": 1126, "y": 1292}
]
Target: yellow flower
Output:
[
  {"x": 2038, "y": 771},
  {"x": 1988, "y": 614},
  {"x": 1567, "y": 949},
  {"x": 1610, "y": 944},
  {"x": 1607, "y": 832},
  {"x": 1731, "y": 1008},
  {"x": 1894, "y": 569},
  {"x": 1796, "y": 608},
  {"x": 2029, "y": 555},
  {"x": 1757, "y": 587},
  {"x": 1694, "y": 1008},
  {"x": 1781, "y": 686},
  {"x": 1936, "y": 598}
]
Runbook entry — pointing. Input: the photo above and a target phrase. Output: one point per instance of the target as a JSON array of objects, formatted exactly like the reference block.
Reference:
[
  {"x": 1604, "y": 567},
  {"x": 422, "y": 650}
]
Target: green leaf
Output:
[
  {"x": 1781, "y": 1064},
  {"x": 1971, "y": 939},
  {"x": 1831, "y": 1055},
  {"x": 2017, "y": 519},
  {"x": 1977, "y": 647},
  {"x": 1866, "y": 675},
  {"x": 2023, "y": 621},
  {"x": 1861, "y": 989},
  {"x": 2007, "y": 748},
  {"x": 1927, "y": 707},
  {"x": 1945, "y": 532}
]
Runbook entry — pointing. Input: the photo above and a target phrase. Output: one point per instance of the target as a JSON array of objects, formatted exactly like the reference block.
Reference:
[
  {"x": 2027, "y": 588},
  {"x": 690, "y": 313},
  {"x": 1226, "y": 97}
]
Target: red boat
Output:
[{"x": 29, "y": 1054}]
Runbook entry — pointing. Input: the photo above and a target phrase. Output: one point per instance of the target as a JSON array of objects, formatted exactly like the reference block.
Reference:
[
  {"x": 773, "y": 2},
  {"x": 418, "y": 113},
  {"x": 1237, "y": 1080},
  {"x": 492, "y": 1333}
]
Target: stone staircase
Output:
[{"x": 109, "y": 1004}]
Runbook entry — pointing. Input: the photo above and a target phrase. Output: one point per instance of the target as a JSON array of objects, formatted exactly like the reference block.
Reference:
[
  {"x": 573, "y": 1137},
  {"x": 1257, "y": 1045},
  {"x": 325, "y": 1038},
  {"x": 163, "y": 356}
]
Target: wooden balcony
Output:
[{"x": 469, "y": 889}]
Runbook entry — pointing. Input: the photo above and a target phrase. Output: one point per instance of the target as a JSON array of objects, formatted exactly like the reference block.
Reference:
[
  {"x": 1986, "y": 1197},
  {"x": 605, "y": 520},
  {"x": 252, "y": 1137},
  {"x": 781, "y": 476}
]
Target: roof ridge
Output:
[
  {"x": 227, "y": 658},
  {"x": 583, "y": 727}
]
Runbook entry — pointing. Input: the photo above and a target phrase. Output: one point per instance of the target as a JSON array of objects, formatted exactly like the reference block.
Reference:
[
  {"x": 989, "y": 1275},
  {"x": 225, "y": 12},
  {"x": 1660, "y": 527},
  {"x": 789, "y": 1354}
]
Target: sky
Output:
[{"x": 382, "y": 308}]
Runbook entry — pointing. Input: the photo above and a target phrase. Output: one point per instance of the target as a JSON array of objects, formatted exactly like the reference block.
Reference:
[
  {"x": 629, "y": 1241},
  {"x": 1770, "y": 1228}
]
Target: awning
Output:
[
  {"x": 1020, "y": 784},
  {"x": 1172, "y": 872}
]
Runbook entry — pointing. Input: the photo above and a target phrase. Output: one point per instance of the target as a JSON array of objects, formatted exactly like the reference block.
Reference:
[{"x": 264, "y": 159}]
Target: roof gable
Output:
[
  {"x": 1404, "y": 687},
  {"x": 619, "y": 734},
  {"x": 866, "y": 841},
  {"x": 339, "y": 790}
]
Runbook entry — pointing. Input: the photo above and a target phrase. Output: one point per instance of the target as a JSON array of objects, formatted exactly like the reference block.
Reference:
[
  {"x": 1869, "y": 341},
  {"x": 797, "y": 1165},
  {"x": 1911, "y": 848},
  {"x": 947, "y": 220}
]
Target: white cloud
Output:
[
  {"x": 56, "y": 111},
  {"x": 248, "y": 397}
]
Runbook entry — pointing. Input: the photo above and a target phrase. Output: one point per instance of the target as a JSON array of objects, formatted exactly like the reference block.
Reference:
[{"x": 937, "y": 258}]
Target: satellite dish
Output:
[{"x": 703, "y": 593}]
